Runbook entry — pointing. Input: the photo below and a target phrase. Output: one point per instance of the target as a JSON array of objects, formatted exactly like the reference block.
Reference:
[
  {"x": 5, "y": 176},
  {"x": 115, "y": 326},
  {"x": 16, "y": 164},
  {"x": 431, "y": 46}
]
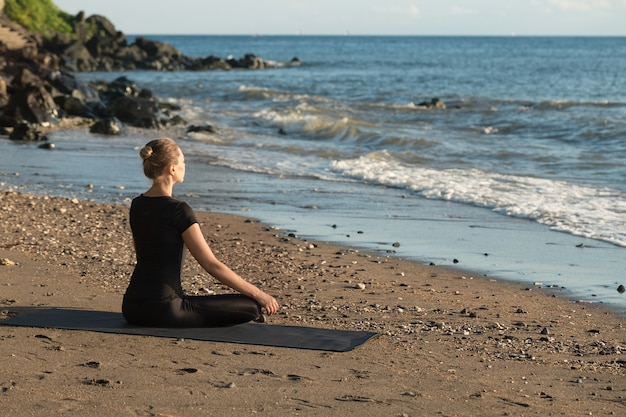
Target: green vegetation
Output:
[{"x": 41, "y": 16}]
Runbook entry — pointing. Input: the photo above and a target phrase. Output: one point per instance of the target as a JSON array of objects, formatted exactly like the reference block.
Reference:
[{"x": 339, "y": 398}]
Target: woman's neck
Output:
[{"x": 159, "y": 189}]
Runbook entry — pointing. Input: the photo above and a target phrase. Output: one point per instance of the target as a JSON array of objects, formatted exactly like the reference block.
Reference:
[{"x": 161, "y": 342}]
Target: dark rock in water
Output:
[
  {"x": 209, "y": 63},
  {"x": 136, "y": 111},
  {"x": 174, "y": 121},
  {"x": 110, "y": 127},
  {"x": 200, "y": 128},
  {"x": 249, "y": 61},
  {"x": 27, "y": 132},
  {"x": 72, "y": 106},
  {"x": 434, "y": 103},
  {"x": 169, "y": 107},
  {"x": 47, "y": 145},
  {"x": 621, "y": 289},
  {"x": 120, "y": 87},
  {"x": 67, "y": 84},
  {"x": 157, "y": 49}
]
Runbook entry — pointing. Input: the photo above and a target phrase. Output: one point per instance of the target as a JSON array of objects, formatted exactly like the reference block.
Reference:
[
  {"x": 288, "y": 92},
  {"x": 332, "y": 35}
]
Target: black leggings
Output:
[{"x": 192, "y": 311}]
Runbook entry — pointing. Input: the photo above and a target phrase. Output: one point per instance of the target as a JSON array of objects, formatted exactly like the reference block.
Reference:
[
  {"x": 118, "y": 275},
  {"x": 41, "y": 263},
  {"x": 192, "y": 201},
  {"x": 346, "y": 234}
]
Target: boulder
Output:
[
  {"x": 200, "y": 128},
  {"x": 67, "y": 84},
  {"x": 103, "y": 26},
  {"x": 110, "y": 126},
  {"x": 25, "y": 78},
  {"x": 77, "y": 56},
  {"x": 32, "y": 104},
  {"x": 131, "y": 55},
  {"x": 156, "y": 48},
  {"x": 73, "y": 106},
  {"x": 173, "y": 121},
  {"x": 435, "y": 103},
  {"x": 27, "y": 132},
  {"x": 249, "y": 61},
  {"x": 136, "y": 111}
]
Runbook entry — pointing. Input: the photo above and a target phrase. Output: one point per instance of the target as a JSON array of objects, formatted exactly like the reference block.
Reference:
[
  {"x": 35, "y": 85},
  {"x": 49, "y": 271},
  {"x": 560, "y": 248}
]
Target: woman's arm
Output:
[{"x": 194, "y": 240}]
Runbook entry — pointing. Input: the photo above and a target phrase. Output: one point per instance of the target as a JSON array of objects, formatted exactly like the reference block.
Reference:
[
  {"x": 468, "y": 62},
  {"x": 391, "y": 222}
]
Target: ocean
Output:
[{"x": 520, "y": 177}]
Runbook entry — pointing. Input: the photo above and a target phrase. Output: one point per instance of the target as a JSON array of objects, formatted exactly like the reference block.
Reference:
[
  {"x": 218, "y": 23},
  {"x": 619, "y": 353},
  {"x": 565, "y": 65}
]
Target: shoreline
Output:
[
  {"x": 428, "y": 231},
  {"x": 449, "y": 342}
]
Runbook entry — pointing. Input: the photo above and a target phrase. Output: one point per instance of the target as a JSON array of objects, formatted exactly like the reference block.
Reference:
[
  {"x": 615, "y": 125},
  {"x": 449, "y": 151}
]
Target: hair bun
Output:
[{"x": 146, "y": 152}]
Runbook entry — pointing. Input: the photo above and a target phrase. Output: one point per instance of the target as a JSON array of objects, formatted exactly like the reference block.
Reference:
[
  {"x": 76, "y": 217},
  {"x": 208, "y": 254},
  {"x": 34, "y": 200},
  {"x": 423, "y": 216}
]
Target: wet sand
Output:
[{"x": 451, "y": 343}]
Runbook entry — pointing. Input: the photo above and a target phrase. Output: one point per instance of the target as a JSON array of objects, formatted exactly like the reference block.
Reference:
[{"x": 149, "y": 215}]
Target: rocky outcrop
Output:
[
  {"x": 35, "y": 91},
  {"x": 97, "y": 46},
  {"x": 38, "y": 88}
]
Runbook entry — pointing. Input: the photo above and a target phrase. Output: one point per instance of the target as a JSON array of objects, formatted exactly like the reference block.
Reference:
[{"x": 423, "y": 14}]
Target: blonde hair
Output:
[{"x": 157, "y": 155}]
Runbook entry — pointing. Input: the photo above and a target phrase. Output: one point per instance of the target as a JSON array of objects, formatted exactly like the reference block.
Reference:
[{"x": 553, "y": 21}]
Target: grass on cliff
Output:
[{"x": 41, "y": 16}]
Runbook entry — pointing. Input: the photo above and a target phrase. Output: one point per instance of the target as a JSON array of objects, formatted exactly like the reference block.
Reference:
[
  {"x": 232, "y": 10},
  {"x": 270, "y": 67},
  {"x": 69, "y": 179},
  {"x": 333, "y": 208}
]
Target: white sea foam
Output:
[
  {"x": 305, "y": 119},
  {"x": 582, "y": 210}
]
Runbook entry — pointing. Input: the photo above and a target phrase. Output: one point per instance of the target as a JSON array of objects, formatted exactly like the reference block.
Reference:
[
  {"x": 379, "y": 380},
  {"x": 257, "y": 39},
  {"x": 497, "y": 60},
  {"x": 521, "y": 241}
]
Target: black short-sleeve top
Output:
[{"x": 157, "y": 224}]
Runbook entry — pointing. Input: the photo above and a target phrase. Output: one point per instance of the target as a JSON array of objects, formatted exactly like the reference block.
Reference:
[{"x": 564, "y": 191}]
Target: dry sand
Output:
[{"x": 450, "y": 343}]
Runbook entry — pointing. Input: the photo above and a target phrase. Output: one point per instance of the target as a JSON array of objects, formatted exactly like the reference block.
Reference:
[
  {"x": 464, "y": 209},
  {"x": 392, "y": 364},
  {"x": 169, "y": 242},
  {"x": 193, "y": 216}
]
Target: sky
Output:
[{"x": 361, "y": 17}]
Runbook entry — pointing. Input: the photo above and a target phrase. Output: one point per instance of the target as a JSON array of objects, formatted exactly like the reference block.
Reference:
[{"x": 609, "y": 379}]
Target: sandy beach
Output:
[{"x": 451, "y": 343}]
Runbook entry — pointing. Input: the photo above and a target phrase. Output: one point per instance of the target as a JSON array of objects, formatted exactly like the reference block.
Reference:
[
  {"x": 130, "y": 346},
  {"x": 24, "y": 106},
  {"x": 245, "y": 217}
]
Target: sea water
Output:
[{"x": 520, "y": 176}]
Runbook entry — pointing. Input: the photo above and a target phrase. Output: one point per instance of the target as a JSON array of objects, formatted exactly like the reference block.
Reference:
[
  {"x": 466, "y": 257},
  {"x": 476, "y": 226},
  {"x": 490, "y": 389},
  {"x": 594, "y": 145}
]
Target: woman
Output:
[{"x": 161, "y": 225}]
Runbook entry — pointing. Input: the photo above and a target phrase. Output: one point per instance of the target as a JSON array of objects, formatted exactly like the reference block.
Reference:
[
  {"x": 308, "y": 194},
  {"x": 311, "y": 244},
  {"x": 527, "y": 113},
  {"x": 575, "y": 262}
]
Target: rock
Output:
[
  {"x": 76, "y": 57},
  {"x": 32, "y": 104},
  {"x": 249, "y": 61},
  {"x": 173, "y": 121},
  {"x": 157, "y": 49},
  {"x": 73, "y": 106},
  {"x": 621, "y": 289},
  {"x": 120, "y": 87},
  {"x": 200, "y": 128},
  {"x": 136, "y": 111},
  {"x": 111, "y": 126},
  {"x": 6, "y": 262},
  {"x": 434, "y": 103},
  {"x": 106, "y": 40},
  {"x": 30, "y": 100},
  {"x": 27, "y": 132},
  {"x": 67, "y": 84}
]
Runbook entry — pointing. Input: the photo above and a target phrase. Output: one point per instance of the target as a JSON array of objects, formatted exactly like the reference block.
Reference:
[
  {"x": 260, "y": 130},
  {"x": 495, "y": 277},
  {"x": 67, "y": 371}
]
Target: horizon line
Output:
[{"x": 295, "y": 35}]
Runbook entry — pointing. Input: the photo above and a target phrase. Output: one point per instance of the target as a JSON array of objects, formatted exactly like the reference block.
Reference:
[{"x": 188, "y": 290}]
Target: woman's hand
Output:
[{"x": 269, "y": 303}]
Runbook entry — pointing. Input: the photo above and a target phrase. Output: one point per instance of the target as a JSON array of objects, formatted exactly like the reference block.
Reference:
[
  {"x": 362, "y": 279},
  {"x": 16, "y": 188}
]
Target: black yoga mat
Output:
[{"x": 250, "y": 333}]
